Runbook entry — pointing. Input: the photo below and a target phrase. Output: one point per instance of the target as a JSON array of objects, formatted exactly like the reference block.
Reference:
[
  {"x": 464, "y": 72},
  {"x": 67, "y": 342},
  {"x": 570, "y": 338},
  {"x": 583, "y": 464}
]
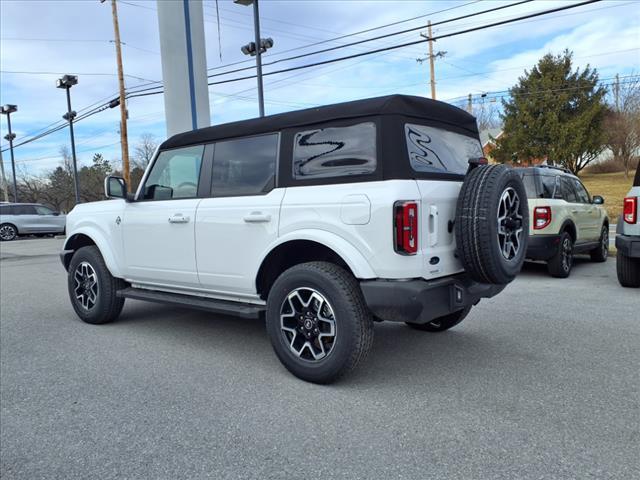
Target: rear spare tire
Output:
[{"x": 492, "y": 224}]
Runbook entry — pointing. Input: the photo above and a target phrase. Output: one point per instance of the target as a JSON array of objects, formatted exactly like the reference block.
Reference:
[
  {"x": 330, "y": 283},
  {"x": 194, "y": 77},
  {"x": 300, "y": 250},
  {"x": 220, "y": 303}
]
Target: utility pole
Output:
[
  {"x": 8, "y": 110},
  {"x": 124, "y": 139},
  {"x": 5, "y": 188},
  {"x": 431, "y": 57},
  {"x": 470, "y": 103},
  {"x": 616, "y": 92}
]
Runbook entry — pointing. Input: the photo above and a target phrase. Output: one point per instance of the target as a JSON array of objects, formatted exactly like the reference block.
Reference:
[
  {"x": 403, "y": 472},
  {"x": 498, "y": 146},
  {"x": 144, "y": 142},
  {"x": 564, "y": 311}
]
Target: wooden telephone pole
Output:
[
  {"x": 124, "y": 140},
  {"x": 431, "y": 57}
]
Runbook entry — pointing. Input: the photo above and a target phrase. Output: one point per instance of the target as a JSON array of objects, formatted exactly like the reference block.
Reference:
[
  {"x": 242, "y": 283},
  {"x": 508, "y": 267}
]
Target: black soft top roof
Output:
[{"x": 405, "y": 105}]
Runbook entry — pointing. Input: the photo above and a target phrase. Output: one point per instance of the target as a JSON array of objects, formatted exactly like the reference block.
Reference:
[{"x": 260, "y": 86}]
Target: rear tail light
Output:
[
  {"x": 405, "y": 227},
  {"x": 630, "y": 210},
  {"x": 541, "y": 217}
]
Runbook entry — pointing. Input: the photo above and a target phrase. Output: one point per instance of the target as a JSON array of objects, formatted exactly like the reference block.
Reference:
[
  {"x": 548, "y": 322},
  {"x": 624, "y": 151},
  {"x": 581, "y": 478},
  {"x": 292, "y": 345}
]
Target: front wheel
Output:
[
  {"x": 443, "y": 323},
  {"x": 560, "y": 264},
  {"x": 318, "y": 322},
  {"x": 92, "y": 288},
  {"x": 601, "y": 252}
]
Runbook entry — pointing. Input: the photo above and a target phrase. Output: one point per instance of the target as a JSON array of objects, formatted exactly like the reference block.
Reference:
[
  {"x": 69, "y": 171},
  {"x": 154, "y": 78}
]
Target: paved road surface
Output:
[{"x": 540, "y": 382}]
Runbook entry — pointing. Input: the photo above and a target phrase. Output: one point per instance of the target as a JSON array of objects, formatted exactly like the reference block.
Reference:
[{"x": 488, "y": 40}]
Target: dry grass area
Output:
[{"x": 612, "y": 186}]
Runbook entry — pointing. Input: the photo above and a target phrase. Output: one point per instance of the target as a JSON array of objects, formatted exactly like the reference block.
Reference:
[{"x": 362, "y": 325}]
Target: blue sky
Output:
[{"x": 76, "y": 37}]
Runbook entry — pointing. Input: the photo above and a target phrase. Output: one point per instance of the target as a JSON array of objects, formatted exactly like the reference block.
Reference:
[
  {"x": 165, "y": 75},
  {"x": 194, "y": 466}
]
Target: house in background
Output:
[{"x": 488, "y": 139}]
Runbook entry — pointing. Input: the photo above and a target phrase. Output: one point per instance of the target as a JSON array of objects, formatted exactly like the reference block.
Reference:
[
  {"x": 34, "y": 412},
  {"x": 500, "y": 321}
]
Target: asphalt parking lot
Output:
[{"x": 539, "y": 382}]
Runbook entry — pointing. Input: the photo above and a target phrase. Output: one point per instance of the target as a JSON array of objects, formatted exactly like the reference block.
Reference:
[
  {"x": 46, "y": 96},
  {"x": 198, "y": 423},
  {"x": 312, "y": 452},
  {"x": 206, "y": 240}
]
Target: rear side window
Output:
[
  {"x": 435, "y": 150},
  {"x": 245, "y": 166},
  {"x": 7, "y": 210},
  {"x": 568, "y": 192},
  {"x": 24, "y": 210},
  {"x": 335, "y": 151}
]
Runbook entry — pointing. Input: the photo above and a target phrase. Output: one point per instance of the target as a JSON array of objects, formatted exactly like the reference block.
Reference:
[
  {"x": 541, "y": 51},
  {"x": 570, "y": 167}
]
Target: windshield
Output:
[{"x": 436, "y": 150}]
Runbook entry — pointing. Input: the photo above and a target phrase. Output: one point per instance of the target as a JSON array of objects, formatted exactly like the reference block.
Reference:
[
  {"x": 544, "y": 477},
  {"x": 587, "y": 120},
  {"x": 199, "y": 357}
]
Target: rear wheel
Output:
[
  {"x": 8, "y": 232},
  {"x": 92, "y": 288},
  {"x": 560, "y": 264},
  {"x": 318, "y": 322},
  {"x": 601, "y": 253},
  {"x": 441, "y": 324},
  {"x": 628, "y": 270}
]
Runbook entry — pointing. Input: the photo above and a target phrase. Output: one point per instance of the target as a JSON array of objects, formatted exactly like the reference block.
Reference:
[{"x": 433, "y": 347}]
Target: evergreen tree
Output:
[{"x": 554, "y": 113}]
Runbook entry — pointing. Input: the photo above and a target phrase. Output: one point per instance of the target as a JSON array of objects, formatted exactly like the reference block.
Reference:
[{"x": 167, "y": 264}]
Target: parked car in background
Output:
[
  {"x": 322, "y": 220},
  {"x": 29, "y": 219},
  {"x": 628, "y": 238},
  {"x": 564, "y": 219}
]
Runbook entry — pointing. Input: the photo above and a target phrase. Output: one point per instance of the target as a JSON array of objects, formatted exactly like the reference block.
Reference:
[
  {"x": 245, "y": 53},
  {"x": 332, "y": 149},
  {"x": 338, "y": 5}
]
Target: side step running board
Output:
[{"x": 224, "y": 307}]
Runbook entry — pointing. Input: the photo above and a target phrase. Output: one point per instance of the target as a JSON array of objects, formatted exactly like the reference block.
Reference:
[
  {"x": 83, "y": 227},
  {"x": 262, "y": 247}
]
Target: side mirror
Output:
[
  {"x": 56, "y": 214},
  {"x": 115, "y": 187},
  {"x": 597, "y": 200}
]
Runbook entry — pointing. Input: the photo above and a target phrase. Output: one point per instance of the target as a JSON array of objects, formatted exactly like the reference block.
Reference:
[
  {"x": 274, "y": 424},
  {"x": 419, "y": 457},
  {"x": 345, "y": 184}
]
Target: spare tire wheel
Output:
[{"x": 492, "y": 224}]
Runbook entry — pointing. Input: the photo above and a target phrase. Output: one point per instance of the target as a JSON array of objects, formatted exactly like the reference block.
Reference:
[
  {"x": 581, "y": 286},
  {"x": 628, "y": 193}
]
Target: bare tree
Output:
[
  {"x": 144, "y": 150},
  {"x": 487, "y": 115},
  {"x": 622, "y": 124}
]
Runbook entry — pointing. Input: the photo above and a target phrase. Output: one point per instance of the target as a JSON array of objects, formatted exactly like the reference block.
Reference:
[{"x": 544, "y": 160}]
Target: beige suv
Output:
[{"x": 563, "y": 219}]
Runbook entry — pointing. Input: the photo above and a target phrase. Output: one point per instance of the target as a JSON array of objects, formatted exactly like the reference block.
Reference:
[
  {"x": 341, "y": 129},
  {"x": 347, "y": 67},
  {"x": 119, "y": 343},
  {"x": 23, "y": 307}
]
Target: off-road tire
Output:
[
  {"x": 9, "y": 232},
  {"x": 476, "y": 224},
  {"x": 558, "y": 266},
  {"x": 628, "y": 270},
  {"x": 108, "y": 305},
  {"x": 601, "y": 253},
  {"x": 353, "y": 321},
  {"x": 443, "y": 323}
]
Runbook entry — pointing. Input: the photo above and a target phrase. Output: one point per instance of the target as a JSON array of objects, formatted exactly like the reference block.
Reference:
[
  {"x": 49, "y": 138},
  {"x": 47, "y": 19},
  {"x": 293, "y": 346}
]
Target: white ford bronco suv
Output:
[
  {"x": 628, "y": 237},
  {"x": 321, "y": 220}
]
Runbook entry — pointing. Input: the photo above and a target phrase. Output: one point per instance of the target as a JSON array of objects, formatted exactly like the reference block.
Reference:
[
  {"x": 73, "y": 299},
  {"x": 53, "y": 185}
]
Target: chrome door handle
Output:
[
  {"x": 575, "y": 211},
  {"x": 178, "y": 218},
  {"x": 257, "y": 217}
]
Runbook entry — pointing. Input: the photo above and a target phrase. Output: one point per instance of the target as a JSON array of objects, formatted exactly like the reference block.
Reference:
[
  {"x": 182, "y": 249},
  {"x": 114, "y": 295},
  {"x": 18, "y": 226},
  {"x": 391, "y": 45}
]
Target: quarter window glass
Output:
[
  {"x": 245, "y": 166},
  {"x": 548, "y": 186},
  {"x": 335, "y": 151},
  {"x": 436, "y": 150},
  {"x": 175, "y": 174},
  {"x": 583, "y": 196},
  {"x": 43, "y": 210},
  {"x": 530, "y": 186},
  {"x": 568, "y": 193}
]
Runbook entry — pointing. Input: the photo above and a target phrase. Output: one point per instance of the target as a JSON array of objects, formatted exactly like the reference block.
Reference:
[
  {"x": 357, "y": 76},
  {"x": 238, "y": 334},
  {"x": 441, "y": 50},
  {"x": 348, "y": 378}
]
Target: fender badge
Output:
[{"x": 118, "y": 220}]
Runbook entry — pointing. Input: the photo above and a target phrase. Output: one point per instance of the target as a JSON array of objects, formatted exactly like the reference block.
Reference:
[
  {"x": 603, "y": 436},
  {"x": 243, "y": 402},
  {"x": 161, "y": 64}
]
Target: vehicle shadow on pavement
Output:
[
  {"x": 540, "y": 268},
  {"x": 398, "y": 352}
]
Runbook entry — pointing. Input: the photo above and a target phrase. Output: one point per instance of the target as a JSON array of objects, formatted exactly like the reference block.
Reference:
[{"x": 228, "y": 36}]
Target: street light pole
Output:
[
  {"x": 256, "y": 48},
  {"x": 256, "y": 27},
  {"x": 67, "y": 82},
  {"x": 8, "y": 110}
]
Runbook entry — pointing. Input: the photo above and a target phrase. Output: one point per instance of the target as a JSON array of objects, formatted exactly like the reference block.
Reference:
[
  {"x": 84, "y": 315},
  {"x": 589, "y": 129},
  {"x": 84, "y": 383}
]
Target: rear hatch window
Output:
[{"x": 437, "y": 150}]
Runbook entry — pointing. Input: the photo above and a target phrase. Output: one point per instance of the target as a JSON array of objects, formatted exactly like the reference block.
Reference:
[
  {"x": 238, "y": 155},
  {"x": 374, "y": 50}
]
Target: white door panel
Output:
[
  {"x": 231, "y": 234},
  {"x": 159, "y": 241}
]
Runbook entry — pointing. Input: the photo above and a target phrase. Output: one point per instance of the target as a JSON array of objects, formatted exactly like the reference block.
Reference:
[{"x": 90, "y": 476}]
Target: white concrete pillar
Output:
[{"x": 184, "y": 65}]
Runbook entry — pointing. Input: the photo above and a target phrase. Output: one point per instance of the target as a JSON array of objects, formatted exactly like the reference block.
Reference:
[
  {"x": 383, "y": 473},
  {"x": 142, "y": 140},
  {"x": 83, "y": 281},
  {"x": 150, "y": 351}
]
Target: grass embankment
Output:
[{"x": 612, "y": 186}]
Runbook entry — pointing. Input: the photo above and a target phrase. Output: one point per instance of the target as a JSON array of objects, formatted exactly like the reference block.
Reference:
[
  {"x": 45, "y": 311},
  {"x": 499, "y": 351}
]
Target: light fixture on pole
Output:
[
  {"x": 256, "y": 48},
  {"x": 8, "y": 110},
  {"x": 66, "y": 82}
]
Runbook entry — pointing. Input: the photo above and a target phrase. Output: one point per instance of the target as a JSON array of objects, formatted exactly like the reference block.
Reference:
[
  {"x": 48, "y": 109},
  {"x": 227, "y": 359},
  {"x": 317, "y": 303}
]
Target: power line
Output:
[{"x": 359, "y": 42}]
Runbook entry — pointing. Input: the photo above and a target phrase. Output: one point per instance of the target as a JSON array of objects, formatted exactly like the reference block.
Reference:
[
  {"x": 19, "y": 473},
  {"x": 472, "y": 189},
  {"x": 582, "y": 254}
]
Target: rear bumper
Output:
[
  {"x": 628, "y": 245},
  {"x": 542, "y": 247},
  {"x": 420, "y": 301}
]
